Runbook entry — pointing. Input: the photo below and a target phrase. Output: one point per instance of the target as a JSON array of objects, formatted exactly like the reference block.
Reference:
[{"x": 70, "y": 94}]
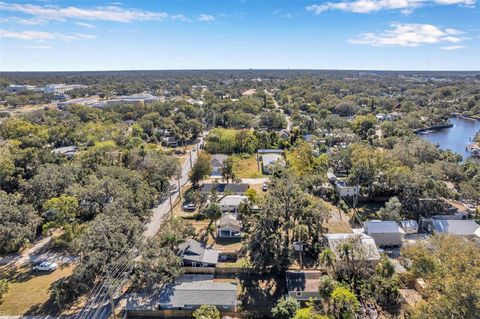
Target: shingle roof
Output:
[
  {"x": 303, "y": 280},
  {"x": 198, "y": 290},
  {"x": 230, "y": 221},
  {"x": 233, "y": 200},
  {"x": 195, "y": 251},
  {"x": 217, "y": 160},
  {"x": 455, "y": 227},
  {"x": 222, "y": 187},
  {"x": 382, "y": 227}
]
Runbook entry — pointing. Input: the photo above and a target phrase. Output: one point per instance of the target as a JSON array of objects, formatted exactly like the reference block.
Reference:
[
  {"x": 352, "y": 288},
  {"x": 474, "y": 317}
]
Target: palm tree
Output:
[
  {"x": 327, "y": 258},
  {"x": 301, "y": 235}
]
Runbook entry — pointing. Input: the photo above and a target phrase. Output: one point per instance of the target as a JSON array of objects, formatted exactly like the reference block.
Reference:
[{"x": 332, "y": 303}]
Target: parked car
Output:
[
  {"x": 264, "y": 187},
  {"x": 189, "y": 207},
  {"x": 45, "y": 266}
]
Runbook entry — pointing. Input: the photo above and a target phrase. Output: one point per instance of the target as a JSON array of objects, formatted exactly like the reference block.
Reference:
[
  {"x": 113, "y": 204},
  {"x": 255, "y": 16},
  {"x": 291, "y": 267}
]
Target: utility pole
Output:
[
  {"x": 179, "y": 189},
  {"x": 171, "y": 205},
  {"x": 191, "y": 165}
]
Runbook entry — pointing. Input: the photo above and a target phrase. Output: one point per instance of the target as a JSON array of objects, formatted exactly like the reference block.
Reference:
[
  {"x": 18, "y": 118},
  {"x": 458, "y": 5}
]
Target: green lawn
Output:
[
  {"x": 247, "y": 166},
  {"x": 29, "y": 291}
]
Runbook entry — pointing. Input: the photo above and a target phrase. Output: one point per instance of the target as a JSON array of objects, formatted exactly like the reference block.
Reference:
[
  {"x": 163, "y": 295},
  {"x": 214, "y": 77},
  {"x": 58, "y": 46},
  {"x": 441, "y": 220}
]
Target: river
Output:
[{"x": 455, "y": 138}]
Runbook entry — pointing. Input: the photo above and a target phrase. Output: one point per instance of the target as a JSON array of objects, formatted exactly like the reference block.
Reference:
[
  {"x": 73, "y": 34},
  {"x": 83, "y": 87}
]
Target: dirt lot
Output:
[{"x": 247, "y": 167}]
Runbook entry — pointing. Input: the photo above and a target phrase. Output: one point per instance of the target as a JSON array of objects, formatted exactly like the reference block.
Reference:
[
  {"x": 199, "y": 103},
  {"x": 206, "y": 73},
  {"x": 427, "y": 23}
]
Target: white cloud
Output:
[
  {"x": 409, "y": 34},
  {"x": 206, "y": 18},
  {"x": 453, "y": 47},
  {"x": 85, "y": 25},
  {"x": 368, "y": 6},
  {"x": 33, "y": 35},
  {"x": 36, "y": 47},
  {"x": 108, "y": 13}
]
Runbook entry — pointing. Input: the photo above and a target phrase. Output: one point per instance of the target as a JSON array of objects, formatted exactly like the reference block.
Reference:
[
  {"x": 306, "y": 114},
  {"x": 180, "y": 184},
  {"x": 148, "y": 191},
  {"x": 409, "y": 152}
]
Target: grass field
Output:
[
  {"x": 29, "y": 291},
  {"x": 247, "y": 167}
]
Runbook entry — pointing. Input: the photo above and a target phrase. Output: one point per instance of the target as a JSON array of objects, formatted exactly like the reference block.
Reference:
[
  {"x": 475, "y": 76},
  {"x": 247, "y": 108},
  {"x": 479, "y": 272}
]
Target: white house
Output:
[
  {"x": 364, "y": 247},
  {"x": 229, "y": 226},
  {"x": 217, "y": 164},
  {"x": 385, "y": 233},
  {"x": 344, "y": 190},
  {"x": 457, "y": 227},
  {"x": 230, "y": 203}
]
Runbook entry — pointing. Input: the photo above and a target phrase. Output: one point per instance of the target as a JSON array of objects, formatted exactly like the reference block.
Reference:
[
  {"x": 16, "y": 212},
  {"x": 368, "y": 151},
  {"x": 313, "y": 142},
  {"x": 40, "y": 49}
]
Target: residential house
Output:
[
  {"x": 217, "y": 164},
  {"x": 223, "y": 188},
  {"x": 284, "y": 134},
  {"x": 303, "y": 285},
  {"x": 170, "y": 141},
  {"x": 229, "y": 226},
  {"x": 195, "y": 254},
  {"x": 270, "y": 158},
  {"x": 186, "y": 293},
  {"x": 363, "y": 246},
  {"x": 231, "y": 203},
  {"x": 134, "y": 99},
  {"x": 456, "y": 227},
  {"x": 67, "y": 151},
  {"x": 341, "y": 186},
  {"x": 385, "y": 233}
]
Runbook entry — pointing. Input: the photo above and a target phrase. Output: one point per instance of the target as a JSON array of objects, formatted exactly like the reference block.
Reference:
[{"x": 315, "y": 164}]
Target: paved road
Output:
[
  {"x": 162, "y": 210},
  {"x": 287, "y": 117}
]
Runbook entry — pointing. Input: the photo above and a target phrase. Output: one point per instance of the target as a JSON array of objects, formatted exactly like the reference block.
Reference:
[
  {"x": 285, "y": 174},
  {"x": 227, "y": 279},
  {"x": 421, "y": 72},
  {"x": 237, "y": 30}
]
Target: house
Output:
[
  {"x": 385, "y": 233},
  {"x": 134, "y": 99},
  {"x": 231, "y": 203},
  {"x": 187, "y": 293},
  {"x": 229, "y": 226},
  {"x": 195, "y": 254},
  {"x": 170, "y": 141},
  {"x": 303, "y": 285},
  {"x": 341, "y": 186},
  {"x": 284, "y": 134},
  {"x": 467, "y": 228},
  {"x": 217, "y": 164},
  {"x": 363, "y": 246},
  {"x": 409, "y": 226},
  {"x": 67, "y": 151},
  {"x": 221, "y": 188},
  {"x": 270, "y": 159}
]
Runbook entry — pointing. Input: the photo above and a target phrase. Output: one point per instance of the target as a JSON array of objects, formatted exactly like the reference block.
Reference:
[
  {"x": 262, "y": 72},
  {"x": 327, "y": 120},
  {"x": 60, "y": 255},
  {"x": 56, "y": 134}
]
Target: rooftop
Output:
[
  {"x": 382, "y": 227},
  {"x": 222, "y": 187},
  {"x": 303, "y": 280},
  {"x": 456, "y": 227},
  {"x": 365, "y": 246},
  {"x": 233, "y": 200},
  {"x": 197, "y": 252}
]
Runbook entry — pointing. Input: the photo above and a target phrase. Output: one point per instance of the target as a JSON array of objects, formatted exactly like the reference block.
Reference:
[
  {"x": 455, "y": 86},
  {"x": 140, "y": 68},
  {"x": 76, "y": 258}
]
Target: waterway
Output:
[{"x": 455, "y": 138}]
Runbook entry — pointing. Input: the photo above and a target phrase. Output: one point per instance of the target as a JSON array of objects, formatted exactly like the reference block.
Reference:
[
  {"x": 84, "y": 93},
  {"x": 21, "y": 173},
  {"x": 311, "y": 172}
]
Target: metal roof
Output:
[
  {"x": 365, "y": 246},
  {"x": 233, "y": 200},
  {"x": 455, "y": 227},
  {"x": 195, "y": 251},
  {"x": 382, "y": 227}
]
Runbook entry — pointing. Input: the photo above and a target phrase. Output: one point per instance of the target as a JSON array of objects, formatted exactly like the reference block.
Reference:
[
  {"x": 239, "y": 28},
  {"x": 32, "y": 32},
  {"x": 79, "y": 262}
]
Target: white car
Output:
[{"x": 45, "y": 266}]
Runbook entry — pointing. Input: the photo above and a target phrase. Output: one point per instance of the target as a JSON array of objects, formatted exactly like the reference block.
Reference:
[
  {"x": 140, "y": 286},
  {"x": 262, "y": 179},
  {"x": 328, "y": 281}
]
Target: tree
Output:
[
  {"x": 228, "y": 173},
  {"x": 326, "y": 287},
  {"x": 285, "y": 308},
  {"x": 61, "y": 210},
  {"x": 327, "y": 258},
  {"x": 213, "y": 212},
  {"x": 362, "y": 125},
  {"x": 200, "y": 169},
  {"x": 308, "y": 313},
  {"x": 345, "y": 303},
  {"x": 448, "y": 266},
  {"x": 18, "y": 225},
  {"x": 206, "y": 312},
  {"x": 392, "y": 210}
]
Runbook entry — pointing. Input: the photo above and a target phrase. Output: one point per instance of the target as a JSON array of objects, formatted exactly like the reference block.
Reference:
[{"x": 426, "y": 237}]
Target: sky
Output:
[{"x": 54, "y": 35}]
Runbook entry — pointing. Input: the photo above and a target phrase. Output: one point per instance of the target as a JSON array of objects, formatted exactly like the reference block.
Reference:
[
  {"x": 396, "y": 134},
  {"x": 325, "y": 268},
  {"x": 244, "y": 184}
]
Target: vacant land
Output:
[
  {"x": 29, "y": 291},
  {"x": 246, "y": 166}
]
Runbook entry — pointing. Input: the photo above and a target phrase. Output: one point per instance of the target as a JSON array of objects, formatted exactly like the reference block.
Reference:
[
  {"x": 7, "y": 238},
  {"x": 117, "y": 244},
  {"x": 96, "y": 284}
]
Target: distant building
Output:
[
  {"x": 61, "y": 88},
  {"x": 231, "y": 203},
  {"x": 17, "y": 88},
  {"x": 195, "y": 254},
  {"x": 67, "y": 151},
  {"x": 385, "y": 233},
  {"x": 229, "y": 226},
  {"x": 142, "y": 98},
  {"x": 303, "y": 285},
  {"x": 341, "y": 186}
]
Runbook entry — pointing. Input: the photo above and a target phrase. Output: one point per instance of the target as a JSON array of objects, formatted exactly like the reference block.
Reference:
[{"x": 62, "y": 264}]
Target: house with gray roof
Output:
[
  {"x": 186, "y": 293},
  {"x": 385, "y": 233},
  {"x": 229, "y": 226},
  {"x": 363, "y": 246},
  {"x": 231, "y": 203},
  {"x": 195, "y": 254},
  {"x": 192, "y": 291},
  {"x": 221, "y": 188},
  {"x": 303, "y": 285},
  {"x": 216, "y": 162}
]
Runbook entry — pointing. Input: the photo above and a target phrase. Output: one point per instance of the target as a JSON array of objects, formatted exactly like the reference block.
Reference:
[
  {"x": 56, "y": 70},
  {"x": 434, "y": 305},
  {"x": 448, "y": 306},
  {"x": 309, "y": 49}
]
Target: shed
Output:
[{"x": 385, "y": 233}]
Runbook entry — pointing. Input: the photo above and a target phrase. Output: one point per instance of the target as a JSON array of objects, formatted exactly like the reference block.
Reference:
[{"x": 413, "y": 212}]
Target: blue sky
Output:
[{"x": 52, "y": 35}]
